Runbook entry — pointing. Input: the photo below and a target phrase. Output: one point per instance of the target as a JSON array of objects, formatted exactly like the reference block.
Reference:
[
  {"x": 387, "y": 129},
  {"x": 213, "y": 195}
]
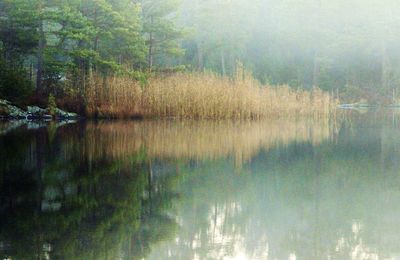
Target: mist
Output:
[{"x": 336, "y": 45}]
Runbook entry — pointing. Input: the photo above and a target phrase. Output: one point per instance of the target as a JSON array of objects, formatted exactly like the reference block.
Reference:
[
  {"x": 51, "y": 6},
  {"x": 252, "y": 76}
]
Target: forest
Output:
[{"x": 114, "y": 58}]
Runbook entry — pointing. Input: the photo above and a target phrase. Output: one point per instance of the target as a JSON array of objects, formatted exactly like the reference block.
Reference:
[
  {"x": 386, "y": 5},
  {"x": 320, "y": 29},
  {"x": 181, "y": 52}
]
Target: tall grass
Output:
[{"x": 202, "y": 96}]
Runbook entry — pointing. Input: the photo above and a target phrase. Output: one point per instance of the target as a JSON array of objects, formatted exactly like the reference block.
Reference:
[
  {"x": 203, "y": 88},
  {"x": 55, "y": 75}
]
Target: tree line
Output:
[
  {"x": 47, "y": 41},
  {"x": 345, "y": 47}
]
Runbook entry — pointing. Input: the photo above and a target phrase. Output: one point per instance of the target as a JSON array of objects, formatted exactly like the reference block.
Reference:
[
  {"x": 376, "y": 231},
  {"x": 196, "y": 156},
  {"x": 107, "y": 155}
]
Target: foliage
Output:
[
  {"x": 73, "y": 39},
  {"x": 160, "y": 32},
  {"x": 332, "y": 49},
  {"x": 14, "y": 86}
]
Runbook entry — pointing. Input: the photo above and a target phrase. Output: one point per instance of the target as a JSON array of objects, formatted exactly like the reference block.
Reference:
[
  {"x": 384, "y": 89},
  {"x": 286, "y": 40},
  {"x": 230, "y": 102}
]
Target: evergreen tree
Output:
[{"x": 160, "y": 31}]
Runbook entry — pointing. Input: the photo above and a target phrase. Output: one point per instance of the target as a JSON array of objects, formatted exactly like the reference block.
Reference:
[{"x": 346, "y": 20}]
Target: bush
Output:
[{"x": 14, "y": 85}]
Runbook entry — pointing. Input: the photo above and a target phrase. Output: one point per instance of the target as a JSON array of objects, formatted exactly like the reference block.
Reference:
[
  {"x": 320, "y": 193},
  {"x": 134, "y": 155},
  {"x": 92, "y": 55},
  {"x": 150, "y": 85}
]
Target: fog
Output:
[{"x": 332, "y": 44}]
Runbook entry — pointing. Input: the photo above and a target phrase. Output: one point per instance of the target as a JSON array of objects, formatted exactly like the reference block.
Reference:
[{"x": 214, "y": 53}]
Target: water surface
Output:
[{"x": 277, "y": 189}]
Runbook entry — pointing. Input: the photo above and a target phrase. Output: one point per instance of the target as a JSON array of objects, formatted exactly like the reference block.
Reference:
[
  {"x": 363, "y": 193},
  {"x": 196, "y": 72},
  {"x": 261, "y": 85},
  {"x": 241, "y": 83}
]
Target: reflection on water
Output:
[
  {"x": 57, "y": 202},
  {"x": 204, "y": 140},
  {"x": 293, "y": 189}
]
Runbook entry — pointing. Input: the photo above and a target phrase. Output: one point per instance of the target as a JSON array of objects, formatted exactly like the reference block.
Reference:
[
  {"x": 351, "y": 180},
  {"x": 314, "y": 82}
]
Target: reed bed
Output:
[
  {"x": 113, "y": 97},
  {"x": 200, "y": 140},
  {"x": 202, "y": 96}
]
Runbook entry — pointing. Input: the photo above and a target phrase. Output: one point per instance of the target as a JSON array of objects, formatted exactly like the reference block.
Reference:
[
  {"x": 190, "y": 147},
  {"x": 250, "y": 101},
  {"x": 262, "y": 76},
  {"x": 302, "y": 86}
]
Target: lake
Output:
[{"x": 273, "y": 189}]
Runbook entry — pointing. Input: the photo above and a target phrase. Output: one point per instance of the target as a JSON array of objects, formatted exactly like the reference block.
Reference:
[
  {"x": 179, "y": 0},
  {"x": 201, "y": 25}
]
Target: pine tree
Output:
[{"x": 160, "y": 30}]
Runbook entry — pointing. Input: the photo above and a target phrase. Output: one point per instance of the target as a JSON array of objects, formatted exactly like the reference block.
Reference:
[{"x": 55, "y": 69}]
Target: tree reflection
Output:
[{"x": 57, "y": 202}]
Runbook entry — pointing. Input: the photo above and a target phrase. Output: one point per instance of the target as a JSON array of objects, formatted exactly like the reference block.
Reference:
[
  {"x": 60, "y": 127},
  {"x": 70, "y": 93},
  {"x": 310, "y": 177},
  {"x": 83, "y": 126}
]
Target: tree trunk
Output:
[
  {"x": 31, "y": 72},
  {"x": 39, "y": 72},
  {"x": 151, "y": 45},
  {"x": 96, "y": 39}
]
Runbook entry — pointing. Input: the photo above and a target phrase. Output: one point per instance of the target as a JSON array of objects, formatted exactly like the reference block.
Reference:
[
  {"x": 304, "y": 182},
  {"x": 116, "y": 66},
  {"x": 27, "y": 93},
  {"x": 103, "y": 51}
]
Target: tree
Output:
[{"x": 160, "y": 31}]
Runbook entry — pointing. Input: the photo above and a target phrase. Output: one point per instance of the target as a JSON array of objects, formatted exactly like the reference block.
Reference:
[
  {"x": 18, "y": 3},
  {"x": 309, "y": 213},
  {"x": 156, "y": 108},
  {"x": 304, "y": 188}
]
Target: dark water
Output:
[{"x": 283, "y": 189}]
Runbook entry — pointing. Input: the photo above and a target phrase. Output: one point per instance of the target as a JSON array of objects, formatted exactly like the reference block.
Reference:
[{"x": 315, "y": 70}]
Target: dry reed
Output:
[{"x": 202, "y": 96}]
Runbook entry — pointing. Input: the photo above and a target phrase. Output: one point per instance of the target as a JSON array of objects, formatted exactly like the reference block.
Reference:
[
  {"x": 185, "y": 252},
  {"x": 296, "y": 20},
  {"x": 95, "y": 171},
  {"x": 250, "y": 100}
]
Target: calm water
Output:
[{"x": 282, "y": 189}]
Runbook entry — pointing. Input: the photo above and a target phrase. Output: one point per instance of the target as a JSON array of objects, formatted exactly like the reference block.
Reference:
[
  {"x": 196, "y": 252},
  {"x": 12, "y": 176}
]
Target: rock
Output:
[
  {"x": 35, "y": 112},
  {"x": 42, "y": 117},
  {"x": 8, "y": 111},
  {"x": 16, "y": 112},
  {"x": 4, "y": 102},
  {"x": 64, "y": 115}
]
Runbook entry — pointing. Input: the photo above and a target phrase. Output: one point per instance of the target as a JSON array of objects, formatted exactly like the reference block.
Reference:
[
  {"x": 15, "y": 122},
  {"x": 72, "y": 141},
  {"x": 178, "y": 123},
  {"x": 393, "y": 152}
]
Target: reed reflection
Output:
[{"x": 202, "y": 140}]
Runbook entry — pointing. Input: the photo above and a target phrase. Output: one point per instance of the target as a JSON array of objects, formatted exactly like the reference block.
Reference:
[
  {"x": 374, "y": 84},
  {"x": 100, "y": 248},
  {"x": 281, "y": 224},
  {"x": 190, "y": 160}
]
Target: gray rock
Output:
[
  {"x": 63, "y": 114},
  {"x": 36, "y": 111},
  {"x": 16, "y": 112},
  {"x": 4, "y": 102},
  {"x": 43, "y": 118},
  {"x": 9, "y": 111}
]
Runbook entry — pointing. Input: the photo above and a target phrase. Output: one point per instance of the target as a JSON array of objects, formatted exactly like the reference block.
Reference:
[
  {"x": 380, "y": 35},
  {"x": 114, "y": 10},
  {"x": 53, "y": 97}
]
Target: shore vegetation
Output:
[
  {"x": 124, "y": 59},
  {"x": 202, "y": 96}
]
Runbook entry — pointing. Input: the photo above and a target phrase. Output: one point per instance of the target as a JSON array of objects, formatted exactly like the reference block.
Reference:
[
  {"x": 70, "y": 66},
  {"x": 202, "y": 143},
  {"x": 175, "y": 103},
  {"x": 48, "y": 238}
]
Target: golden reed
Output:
[{"x": 202, "y": 96}]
